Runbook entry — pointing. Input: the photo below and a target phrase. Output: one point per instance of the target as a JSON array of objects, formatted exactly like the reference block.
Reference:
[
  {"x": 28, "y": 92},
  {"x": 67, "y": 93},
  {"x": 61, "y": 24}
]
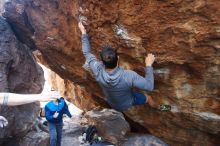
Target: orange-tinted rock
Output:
[
  {"x": 184, "y": 36},
  {"x": 75, "y": 93}
]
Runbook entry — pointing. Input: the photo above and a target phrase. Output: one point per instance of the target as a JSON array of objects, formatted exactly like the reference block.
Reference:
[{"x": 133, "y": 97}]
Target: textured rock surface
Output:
[
  {"x": 143, "y": 140},
  {"x": 184, "y": 35},
  {"x": 110, "y": 124},
  {"x": 35, "y": 139},
  {"x": 18, "y": 73}
]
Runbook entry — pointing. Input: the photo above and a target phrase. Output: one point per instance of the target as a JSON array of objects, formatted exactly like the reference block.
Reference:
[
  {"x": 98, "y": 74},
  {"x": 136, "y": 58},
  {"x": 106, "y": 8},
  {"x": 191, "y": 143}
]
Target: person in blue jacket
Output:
[{"x": 54, "y": 111}]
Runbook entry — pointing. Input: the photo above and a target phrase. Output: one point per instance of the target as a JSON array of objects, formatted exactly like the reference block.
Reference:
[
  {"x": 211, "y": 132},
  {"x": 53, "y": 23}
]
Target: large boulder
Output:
[
  {"x": 110, "y": 124},
  {"x": 184, "y": 35},
  {"x": 21, "y": 74}
]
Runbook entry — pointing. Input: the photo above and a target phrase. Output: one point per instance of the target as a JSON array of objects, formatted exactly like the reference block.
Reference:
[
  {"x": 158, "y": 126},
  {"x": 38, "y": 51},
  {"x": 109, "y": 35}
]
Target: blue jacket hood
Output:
[{"x": 53, "y": 107}]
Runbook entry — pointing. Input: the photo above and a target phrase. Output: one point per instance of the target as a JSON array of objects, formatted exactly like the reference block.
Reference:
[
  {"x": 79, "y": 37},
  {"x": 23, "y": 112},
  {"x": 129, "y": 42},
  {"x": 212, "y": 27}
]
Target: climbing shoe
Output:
[{"x": 165, "y": 107}]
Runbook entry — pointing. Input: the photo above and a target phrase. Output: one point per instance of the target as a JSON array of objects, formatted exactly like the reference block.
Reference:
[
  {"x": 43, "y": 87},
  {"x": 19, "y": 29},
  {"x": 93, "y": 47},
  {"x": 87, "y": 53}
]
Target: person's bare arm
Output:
[{"x": 12, "y": 99}]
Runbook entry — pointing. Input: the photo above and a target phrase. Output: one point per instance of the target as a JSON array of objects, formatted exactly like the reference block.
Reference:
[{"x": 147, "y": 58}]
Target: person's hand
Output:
[
  {"x": 3, "y": 122},
  {"x": 82, "y": 28},
  {"x": 55, "y": 115},
  {"x": 149, "y": 60},
  {"x": 53, "y": 95}
]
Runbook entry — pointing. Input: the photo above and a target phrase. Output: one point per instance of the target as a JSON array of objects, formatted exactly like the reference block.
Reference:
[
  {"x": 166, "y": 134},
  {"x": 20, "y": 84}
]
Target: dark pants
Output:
[{"x": 55, "y": 131}]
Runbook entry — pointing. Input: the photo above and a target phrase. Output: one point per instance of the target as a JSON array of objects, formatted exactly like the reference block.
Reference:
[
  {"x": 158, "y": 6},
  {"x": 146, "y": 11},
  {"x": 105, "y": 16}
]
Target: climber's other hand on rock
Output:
[
  {"x": 149, "y": 60},
  {"x": 82, "y": 28},
  {"x": 3, "y": 122}
]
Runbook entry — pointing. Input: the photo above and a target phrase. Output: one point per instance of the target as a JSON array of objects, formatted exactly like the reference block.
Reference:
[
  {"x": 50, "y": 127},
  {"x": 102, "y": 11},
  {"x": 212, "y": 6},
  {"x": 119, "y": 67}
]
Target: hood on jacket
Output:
[
  {"x": 113, "y": 78},
  {"x": 53, "y": 107}
]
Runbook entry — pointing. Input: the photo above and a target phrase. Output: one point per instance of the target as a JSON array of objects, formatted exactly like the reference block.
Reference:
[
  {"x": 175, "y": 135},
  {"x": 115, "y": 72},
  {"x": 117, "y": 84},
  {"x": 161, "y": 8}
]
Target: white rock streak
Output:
[{"x": 208, "y": 116}]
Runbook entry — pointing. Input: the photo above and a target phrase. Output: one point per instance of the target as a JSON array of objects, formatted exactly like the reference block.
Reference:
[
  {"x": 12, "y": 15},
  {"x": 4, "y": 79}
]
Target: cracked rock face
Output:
[
  {"x": 19, "y": 73},
  {"x": 184, "y": 36}
]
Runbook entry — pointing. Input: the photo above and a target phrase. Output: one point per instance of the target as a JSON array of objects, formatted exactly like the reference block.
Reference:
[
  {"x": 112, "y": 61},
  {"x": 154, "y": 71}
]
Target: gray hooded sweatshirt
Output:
[{"x": 117, "y": 85}]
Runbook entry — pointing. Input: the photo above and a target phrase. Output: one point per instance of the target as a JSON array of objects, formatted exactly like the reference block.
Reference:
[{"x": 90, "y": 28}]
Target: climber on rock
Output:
[
  {"x": 116, "y": 82},
  {"x": 13, "y": 99}
]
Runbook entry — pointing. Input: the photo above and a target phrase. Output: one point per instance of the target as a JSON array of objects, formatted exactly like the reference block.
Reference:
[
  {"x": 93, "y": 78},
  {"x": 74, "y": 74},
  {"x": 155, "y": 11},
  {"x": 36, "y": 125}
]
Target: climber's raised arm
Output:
[
  {"x": 92, "y": 61},
  {"x": 12, "y": 99}
]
